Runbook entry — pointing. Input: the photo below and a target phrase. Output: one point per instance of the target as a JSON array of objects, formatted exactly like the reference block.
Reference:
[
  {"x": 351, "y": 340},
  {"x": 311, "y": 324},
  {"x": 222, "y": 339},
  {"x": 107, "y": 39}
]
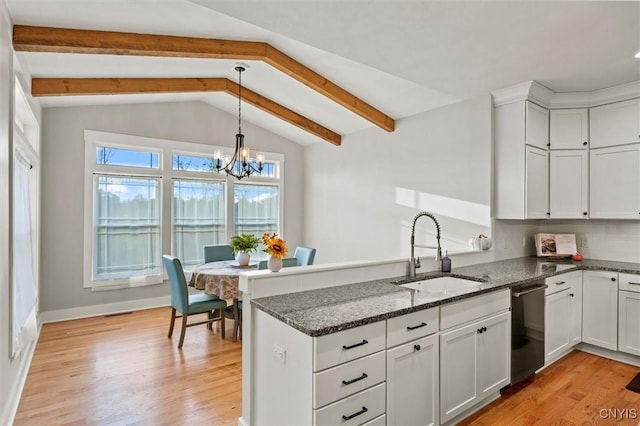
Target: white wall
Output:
[
  {"x": 617, "y": 240},
  {"x": 63, "y": 180},
  {"x": 12, "y": 371},
  {"x": 361, "y": 197}
]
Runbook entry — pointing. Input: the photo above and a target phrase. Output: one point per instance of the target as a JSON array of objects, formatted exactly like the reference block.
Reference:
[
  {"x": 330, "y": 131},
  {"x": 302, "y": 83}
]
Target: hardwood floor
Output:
[
  {"x": 572, "y": 391},
  {"x": 124, "y": 370}
]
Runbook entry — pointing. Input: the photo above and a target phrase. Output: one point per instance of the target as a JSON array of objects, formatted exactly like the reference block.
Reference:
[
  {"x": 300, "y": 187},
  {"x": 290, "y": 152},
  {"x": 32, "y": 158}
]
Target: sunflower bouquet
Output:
[{"x": 276, "y": 247}]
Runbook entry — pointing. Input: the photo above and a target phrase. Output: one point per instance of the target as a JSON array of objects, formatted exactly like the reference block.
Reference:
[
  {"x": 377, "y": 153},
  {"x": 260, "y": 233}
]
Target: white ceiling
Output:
[{"x": 402, "y": 57}]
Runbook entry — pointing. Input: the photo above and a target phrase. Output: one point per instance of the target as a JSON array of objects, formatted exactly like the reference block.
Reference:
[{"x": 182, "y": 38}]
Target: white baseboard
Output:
[
  {"x": 106, "y": 309},
  {"x": 614, "y": 355},
  {"x": 10, "y": 407}
]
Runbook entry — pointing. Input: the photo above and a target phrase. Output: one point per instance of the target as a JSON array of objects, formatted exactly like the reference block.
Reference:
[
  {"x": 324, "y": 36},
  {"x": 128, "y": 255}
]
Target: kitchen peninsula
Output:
[{"x": 293, "y": 314}]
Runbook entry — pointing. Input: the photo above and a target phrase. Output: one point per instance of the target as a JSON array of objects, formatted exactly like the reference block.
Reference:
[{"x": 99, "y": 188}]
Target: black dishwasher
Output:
[{"x": 527, "y": 330}]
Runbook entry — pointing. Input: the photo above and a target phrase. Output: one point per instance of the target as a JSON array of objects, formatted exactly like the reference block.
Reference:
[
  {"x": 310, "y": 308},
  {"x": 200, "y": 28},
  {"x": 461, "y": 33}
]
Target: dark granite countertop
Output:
[{"x": 328, "y": 310}]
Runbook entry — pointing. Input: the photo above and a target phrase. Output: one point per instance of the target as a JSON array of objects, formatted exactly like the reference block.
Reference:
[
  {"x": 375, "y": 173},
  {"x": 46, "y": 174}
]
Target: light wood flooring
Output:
[{"x": 123, "y": 370}]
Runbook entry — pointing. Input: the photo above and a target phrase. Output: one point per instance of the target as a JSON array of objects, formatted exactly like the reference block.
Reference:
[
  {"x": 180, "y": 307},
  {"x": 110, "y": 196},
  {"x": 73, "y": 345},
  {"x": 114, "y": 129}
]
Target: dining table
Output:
[{"x": 221, "y": 279}]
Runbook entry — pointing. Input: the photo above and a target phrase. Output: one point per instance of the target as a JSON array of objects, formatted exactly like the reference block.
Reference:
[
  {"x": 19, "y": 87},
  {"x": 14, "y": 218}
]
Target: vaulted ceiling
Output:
[{"x": 322, "y": 69}]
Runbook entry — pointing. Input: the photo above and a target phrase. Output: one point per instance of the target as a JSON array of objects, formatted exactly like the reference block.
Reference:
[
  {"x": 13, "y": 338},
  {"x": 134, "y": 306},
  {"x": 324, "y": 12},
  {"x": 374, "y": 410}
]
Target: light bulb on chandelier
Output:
[{"x": 240, "y": 164}]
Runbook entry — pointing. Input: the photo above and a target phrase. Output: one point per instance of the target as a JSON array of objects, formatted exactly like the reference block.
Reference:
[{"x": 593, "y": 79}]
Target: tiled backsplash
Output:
[{"x": 616, "y": 240}]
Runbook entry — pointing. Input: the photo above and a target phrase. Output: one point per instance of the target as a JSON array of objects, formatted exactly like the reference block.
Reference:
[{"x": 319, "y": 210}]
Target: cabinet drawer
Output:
[
  {"x": 411, "y": 326},
  {"x": 347, "y": 379},
  {"x": 629, "y": 282},
  {"x": 354, "y": 410},
  {"x": 343, "y": 346},
  {"x": 474, "y": 308},
  {"x": 556, "y": 284},
  {"x": 378, "y": 421}
]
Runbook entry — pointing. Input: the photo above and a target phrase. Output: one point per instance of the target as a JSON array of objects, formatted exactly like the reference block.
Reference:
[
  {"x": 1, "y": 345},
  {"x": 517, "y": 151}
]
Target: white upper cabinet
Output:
[
  {"x": 615, "y": 183},
  {"x": 521, "y": 170},
  {"x": 568, "y": 184},
  {"x": 536, "y": 125},
  {"x": 537, "y": 184},
  {"x": 569, "y": 128},
  {"x": 615, "y": 124}
]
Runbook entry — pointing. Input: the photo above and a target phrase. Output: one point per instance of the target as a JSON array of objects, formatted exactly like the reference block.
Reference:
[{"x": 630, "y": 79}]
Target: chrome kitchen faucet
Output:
[{"x": 415, "y": 262}]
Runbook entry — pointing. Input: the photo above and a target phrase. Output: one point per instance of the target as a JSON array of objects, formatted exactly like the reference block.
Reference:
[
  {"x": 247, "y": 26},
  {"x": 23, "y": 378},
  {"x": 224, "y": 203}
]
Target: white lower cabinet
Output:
[
  {"x": 629, "y": 314},
  {"x": 600, "y": 309},
  {"x": 563, "y": 314},
  {"x": 475, "y": 356},
  {"x": 412, "y": 383}
]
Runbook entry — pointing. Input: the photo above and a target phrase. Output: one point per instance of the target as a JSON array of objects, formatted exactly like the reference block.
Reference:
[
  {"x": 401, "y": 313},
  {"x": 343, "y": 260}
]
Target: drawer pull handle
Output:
[
  {"x": 364, "y": 410},
  {"x": 424, "y": 324},
  {"x": 345, "y": 347},
  {"x": 357, "y": 379},
  {"x": 632, "y": 283},
  {"x": 561, "y": 282}
]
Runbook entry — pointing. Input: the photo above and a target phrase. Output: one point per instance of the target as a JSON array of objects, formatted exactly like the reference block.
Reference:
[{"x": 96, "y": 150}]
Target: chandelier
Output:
[{"x": 240, "y": 164}]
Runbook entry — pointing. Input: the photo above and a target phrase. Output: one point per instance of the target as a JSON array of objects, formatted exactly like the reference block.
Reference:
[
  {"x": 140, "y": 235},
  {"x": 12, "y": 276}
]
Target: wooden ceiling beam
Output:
[
  {"x": 62, "y": 40},
  {"x": 126, "y": 86}
]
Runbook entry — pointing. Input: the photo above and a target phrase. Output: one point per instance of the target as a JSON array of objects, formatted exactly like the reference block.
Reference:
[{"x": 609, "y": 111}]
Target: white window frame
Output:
[{"x": 166, "y": 149}]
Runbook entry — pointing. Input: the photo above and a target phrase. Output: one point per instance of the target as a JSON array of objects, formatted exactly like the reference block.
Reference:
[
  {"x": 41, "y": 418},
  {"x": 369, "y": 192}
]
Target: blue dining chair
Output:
[
  {"x": 186, "y": 304},
  {"x": 286, "y": 262},
  {"x": 218, "y": 252},
  {"x": 236, "y": 314},
  {"x": 304, "y": 255}
]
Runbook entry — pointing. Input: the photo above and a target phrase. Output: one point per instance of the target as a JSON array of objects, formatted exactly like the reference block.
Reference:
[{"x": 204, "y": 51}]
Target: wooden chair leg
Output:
[
  {"x": 173, "y": 320},
  {"x": 240, "y": 324},
  {"x": 184, "y": 329},
  {"x": 211, "y": 315}
]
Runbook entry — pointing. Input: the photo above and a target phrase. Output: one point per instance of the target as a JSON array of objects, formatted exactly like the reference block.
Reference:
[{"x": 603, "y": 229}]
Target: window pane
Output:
[
  {"x": 198, "y": 219},
  {"x": 193, "y": 163},
  {"x": 256, "y": 209},
  {"x": 127, "y": 227},
  {"x": 126, "y": 157}
]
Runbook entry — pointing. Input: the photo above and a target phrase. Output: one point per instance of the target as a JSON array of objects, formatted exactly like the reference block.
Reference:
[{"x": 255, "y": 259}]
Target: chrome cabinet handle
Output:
[{"x": 533, "y": 290}]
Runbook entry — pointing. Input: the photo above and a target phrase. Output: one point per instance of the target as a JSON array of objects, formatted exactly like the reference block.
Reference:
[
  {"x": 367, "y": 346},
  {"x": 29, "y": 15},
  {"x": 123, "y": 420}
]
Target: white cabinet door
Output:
[
  {"x": 569, "y": 128},
  {"x": 556, "y": 321},
  {"x": 615, "y": 124},
  {"x": 494, "y": 365},
  {"x": 412, "y": 383},
  {"x": 615, "y": 183},
  {"x": 475, "y": 361},
  {"x": 629, "y": 322},
  {"x": 600, "y": 309},
  {"x": 568, "y": 184},
  {"x": 537, "y": 125},
  {"x": 458, "y": 370},
  {"x": 575, "y": 311},
  {"x": 537, "y": 183}
]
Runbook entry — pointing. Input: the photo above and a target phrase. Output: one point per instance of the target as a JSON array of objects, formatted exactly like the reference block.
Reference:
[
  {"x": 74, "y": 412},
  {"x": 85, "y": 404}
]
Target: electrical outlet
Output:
[
  {"x": 280, "y": 353},
  {"x": 584, "y": 243}
]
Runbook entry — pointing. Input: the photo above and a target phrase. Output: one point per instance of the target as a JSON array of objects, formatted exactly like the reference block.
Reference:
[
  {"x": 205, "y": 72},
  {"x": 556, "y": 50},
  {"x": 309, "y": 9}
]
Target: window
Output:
[
  {"x": 256, "y": 209},
  {"x": 127, "y": 227},
  {"x": 198, "y": 218},
  {"x": 145, "y": 197}
]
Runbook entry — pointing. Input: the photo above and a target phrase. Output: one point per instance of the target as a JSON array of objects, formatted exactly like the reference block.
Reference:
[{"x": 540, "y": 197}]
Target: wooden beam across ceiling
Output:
[
  {"x": 123, "y": 86},
  {"x": 62, "y": 40}
]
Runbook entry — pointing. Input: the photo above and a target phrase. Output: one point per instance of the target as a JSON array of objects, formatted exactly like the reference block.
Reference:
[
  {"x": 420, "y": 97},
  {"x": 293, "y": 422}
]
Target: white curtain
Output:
[{"x": 24, "y": 285}]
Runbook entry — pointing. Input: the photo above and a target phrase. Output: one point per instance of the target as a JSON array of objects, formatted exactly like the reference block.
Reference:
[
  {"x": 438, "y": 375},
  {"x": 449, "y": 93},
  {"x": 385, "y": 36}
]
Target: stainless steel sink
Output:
[{"x": 442, "y": 287}]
